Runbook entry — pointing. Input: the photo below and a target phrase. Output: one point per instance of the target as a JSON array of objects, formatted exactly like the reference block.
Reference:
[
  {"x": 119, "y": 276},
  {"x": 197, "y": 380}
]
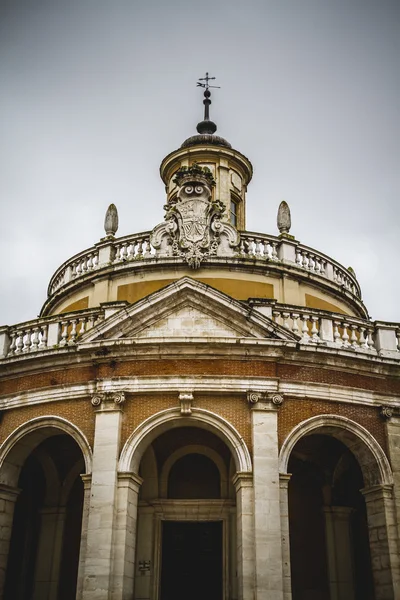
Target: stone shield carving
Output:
[{"x": 193, "y": 226}]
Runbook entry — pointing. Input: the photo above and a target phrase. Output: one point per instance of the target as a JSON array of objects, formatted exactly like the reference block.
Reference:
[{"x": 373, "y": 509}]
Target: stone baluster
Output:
[
  {"x": 90, "y": 262},
  {"x": 43, "y": 338},
  {"x": 314, "y": 329},
  {"x": 311, "y": 262},
  {"x": 35, "y": 338},
  {"x": 276, "y": 316},
  {"x": 13, "y": 345},
  {"x": 363, "y": 340},
  {"x": 305, "y": 337},
  {"x": 250, "y": 251},
  {"x": 139, "y": 254},
  {"x": 83, "y": 265},
  {"x": 27, "y": 338},
  {"x": 124, "y": 251},
  {"x": 82, "y": 328},
  {"x": 285, "y": 317},
  {"x": 398, "y": 339},
  {"x": 64, "y": 334},
  {"x": 73, "y": 333},
  {"x": 73, "y": 270},
  {"x": 20, "y": 342},
  {"x": 299, "y": 258},
  {"x": 345, "y": 335},
  {"x": 295, "y": 327},
  {"x": 257, "y": 250},
  {"x": 353, "y": 337},
  {"x": 147, "y": 249},
  {"x": 336, "y": 333}
]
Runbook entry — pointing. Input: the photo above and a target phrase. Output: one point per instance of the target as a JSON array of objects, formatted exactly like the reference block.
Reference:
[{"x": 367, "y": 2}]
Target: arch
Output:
[
  {"x": 371, "y": 457},
  {"x": 193, "y": 449},
  {"x": 17, "y": 446},
  {"x": 152, "y": 427}
]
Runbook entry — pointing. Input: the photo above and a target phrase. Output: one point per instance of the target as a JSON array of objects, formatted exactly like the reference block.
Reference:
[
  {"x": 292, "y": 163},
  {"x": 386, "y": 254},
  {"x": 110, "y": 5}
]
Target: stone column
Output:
[
  {"x": 49, "y": 553},
  {"x": 99, "y": 546},
  {"x": 393, "y": 438},
  {"x": 284, "y": 507},
  {"x": 243, "y": 483},
  {"x": 8, "y": 498},
  {"x": 339, "y": 549},
  {"x": 124, "y": 543},
  {"x": 383, "y": 541},
  {"x": 87, "y": 482},
  {"x": 267, "y": 517}
]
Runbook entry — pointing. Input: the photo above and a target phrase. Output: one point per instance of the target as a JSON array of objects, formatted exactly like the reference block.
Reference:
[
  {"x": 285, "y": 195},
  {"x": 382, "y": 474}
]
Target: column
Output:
[
  {"x": 393, "y": 438},
  {"x": 8, "y": 498},
  {"x": 339, "y": 548},
  {"x": 383, "y": 541},
  {"x": 267, "y": 517},
  {"x": 124, "y": 543},
  {"x": 49, "y": 552},
  {"x": 284, "y": 507},
  {"x": 99, "y": 546},
  {"x": 87, "y": 483},
  {"x": 243, "y": 483}
]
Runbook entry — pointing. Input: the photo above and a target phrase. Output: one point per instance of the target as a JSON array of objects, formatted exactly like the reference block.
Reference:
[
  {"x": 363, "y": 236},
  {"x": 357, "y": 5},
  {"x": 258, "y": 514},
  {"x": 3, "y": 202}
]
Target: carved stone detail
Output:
[
  {"x": 117, "y": 398},
  {"x": 253, "y": 397},
  {"x": 193, "y": 228},
  {"x": 186, "y": 399},
  {"x": 386, "y": 412},
  {"x": 277, "y": 399},
  {"x": 111, "y": 220},
  {"x": 284, "y": 219},
  {"x": 97, "y": 399}
]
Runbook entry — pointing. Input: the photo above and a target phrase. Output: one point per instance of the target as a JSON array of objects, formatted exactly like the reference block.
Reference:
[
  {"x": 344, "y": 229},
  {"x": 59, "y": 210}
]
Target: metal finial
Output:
[
  {"x": 111, "y": 220},
  {"x": 284, "y": 220},
  {"x": 206, "y": 126}
]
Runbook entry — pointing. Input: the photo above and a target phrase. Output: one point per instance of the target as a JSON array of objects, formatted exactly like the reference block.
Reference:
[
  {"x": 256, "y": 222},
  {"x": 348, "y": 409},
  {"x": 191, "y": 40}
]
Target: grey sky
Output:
[{"x": 94, "y": 94}]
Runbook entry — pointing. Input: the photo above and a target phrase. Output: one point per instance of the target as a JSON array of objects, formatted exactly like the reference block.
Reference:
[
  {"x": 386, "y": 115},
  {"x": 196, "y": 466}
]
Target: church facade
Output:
[{"x": 200, "y": 411}]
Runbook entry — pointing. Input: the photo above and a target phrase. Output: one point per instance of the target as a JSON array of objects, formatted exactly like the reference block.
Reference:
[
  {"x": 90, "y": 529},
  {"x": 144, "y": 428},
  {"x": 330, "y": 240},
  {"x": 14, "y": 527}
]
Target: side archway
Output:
[
  {"x": 152, "y": 427},
  {"x": 371, "y": 457},
  {"x": 20, "y": 443},
  {"x": 340, "y": 503}
]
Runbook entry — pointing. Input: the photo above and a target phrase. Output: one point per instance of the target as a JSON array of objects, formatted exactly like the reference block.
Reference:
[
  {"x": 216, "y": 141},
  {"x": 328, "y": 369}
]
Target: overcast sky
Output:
[{"x": 94, "y": 94}]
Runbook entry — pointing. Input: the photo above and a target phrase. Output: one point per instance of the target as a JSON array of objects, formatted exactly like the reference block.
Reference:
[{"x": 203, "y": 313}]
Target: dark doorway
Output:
[{"x": 191, "y": 560}]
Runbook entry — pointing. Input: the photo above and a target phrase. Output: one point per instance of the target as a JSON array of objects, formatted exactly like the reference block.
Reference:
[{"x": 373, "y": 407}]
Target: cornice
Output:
[{"x": 218, "y": 386}]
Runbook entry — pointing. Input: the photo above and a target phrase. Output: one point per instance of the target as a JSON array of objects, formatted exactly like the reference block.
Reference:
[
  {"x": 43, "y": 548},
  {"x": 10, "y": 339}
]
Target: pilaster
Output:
[
  {"x": 8, "y": 498},
  {"x": 383, "y": 541},
  {"x": 102, "y": 509},
  {"x": 243, "y": 483},
  {"x": 284, "y": 508},
  {"x": 267, "y": 516},
  {"x": 340, "y": 558}
]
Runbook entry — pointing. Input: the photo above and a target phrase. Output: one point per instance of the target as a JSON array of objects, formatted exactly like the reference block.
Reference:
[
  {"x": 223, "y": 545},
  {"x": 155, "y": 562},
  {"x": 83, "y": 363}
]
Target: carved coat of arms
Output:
[{"x": 193, "y": 226}]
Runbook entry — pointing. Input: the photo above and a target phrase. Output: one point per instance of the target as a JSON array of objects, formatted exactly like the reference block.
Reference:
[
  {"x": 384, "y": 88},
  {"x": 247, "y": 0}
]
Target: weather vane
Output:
[
  {"x": 206, "y": 85},
  {"x": 206, "y": 126}
]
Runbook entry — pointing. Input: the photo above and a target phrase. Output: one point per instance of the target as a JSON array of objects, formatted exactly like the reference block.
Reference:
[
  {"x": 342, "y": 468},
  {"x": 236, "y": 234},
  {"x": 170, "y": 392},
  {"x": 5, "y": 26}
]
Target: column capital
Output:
[
  {"x": 377, "y": 492},
  {"x": 265, "y": 402},
  {"x": 284, "y": 479},
  {"x": 129, "y": 479},
  {"x": 242, "y": 479},
  {"x": 9, "y": 493},
  {"x": 108, "y": 401}
]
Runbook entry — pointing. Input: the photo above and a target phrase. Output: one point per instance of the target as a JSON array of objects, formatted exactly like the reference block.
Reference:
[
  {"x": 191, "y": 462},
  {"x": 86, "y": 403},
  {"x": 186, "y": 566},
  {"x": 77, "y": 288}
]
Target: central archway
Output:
[{"x": 164, "y": 454}]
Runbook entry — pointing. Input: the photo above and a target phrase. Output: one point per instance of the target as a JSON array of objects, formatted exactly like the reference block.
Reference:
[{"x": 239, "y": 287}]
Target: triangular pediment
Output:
[{"x": 187, "y": 309}]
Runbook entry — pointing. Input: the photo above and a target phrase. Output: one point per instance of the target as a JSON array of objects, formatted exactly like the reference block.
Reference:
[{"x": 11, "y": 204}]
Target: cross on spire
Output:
[
  {"x": 206, "y": 126},
  {"x": 206, "y": 84}
]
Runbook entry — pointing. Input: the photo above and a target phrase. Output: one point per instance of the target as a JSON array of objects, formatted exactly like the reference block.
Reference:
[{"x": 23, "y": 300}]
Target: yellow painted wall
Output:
[{"x": 240, "y": 290}]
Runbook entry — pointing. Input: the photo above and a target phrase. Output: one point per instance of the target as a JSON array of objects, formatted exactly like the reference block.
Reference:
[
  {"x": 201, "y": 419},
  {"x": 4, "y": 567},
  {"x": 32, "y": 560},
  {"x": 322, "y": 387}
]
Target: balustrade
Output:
[
  {"x": 64, "y": 330},
  {"x": 316, "y": 327},
  {"x": 252, "y": 246}
]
